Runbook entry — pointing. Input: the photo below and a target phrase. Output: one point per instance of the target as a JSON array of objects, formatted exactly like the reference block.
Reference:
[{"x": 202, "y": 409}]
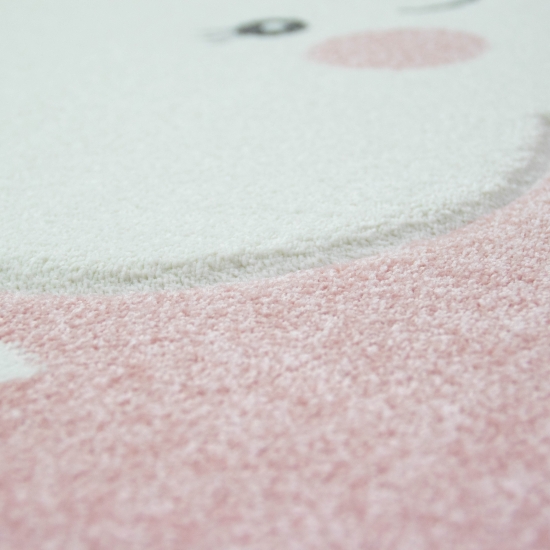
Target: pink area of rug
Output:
[{"x": 397, "y": 402}]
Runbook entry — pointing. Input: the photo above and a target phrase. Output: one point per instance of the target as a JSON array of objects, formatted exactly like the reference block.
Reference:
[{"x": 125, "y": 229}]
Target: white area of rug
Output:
[
  {"x": 13, "y": 364},
  {"x": 136, "y": 153}
]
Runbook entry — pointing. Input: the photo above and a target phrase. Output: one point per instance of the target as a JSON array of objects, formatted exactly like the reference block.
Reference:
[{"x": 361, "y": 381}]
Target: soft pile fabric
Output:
[
  {"x": 274, "y": 275},
  {"x": 398, "y": 402},
  {"x": 150, "y": 145}
]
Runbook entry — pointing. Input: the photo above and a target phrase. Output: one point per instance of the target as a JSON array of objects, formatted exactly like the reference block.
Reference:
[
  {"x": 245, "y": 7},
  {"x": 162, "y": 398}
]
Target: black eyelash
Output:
[
  {"x": 438, "y": 7},
  {"x": 273, "y": 26}
]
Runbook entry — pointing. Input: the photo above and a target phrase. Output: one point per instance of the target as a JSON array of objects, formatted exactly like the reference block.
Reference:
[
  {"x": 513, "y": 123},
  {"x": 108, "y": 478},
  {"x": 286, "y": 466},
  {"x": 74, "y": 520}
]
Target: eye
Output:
[
  {"x": 440, "y": 6},
  {"x": 273, "y": 26}
]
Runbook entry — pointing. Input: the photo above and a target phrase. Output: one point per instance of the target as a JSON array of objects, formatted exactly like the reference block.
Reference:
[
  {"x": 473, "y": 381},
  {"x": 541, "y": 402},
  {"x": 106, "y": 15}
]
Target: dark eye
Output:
[{"x": 273, "y": 26}]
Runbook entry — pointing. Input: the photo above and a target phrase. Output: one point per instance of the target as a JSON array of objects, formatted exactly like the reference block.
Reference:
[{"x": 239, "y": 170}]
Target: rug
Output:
[{"x": 275, "y": 275}]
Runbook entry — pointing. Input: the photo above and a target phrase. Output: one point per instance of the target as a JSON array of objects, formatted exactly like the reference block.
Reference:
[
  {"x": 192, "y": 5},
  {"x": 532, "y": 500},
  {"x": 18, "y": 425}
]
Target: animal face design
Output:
[
  {"x": 151, "y": 144},
  {"x": 169, "y": 144}
]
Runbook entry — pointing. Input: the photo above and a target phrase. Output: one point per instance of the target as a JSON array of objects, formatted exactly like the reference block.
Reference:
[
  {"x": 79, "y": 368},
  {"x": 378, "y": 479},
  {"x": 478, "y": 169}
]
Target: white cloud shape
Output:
[{"x": 14, "y": 363}]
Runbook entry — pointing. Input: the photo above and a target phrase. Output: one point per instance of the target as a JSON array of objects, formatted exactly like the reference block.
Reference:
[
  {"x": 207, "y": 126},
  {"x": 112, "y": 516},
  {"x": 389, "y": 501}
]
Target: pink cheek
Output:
[{"x": 399, "y": 49}]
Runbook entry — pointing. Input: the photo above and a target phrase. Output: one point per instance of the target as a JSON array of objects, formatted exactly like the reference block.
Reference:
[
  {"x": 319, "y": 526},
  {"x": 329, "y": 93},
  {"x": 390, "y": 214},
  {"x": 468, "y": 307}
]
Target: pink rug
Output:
[
  {"x": 396, "y": 402},
  {"x": 274, "y": 275}
]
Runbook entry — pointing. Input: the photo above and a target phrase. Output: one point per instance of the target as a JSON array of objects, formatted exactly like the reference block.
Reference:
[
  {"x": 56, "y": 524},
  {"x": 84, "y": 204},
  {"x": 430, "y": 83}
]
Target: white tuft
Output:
[{"x": 14, "y": 364}]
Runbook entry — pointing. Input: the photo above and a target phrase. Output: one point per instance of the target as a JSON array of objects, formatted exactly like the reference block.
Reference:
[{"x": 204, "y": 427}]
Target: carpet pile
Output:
[{"x": 282, "y": 284}]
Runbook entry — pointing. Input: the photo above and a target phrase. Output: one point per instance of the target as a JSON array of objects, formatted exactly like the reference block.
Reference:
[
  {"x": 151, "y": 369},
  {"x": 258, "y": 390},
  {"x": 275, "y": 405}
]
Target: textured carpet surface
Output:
[
  {"x": 274, "y": 275},
  {"x": 168, "y": 144},
  {"x": 398, "y": 402}
]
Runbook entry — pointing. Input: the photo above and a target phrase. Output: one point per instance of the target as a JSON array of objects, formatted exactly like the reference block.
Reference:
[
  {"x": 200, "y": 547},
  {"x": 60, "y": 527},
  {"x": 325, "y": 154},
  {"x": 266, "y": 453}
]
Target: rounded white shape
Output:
[
  {"x": 14, "y": 364},
  {"x": 137, "y": 153}
]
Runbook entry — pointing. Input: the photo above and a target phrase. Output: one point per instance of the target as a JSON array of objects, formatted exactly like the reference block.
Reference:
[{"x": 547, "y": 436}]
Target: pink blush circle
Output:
[{"x": 399, "y": 49}]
